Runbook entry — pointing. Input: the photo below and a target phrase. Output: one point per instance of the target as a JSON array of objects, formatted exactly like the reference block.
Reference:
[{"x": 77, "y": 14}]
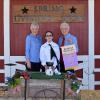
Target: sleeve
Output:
[
  {"x": 27, "y": 47},
  {"x": 42, "y": 56},
  {"x": 41, "y": 42},
  {"x": 76, "y": 44},
  {"x": 59, "y": 41}
]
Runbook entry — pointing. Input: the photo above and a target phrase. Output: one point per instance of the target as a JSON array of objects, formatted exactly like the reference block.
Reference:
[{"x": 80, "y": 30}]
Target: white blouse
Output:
[{"x": 45, "y": 53}]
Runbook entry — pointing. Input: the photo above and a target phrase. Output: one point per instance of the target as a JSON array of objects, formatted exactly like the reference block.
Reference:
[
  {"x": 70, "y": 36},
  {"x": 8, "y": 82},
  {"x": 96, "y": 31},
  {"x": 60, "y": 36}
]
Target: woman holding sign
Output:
[
  {"x": 66, "y": 39},
  {"x": 68, "y": 58}
]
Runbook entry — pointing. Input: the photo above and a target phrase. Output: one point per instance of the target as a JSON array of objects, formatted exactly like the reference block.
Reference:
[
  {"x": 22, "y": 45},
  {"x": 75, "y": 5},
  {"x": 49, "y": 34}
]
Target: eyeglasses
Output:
[{"x": 48, "y": 35}]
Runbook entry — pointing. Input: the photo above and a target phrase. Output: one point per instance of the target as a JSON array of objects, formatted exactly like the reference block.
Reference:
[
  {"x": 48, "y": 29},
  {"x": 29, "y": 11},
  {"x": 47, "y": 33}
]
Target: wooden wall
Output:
[
  {"x": 19, "y": 31},
  {"x": 97, "y": 38},
  {"x": 1, "y": 29},
  {"x": 1, "y": 41},
  {"x": 97, "y": 27}
]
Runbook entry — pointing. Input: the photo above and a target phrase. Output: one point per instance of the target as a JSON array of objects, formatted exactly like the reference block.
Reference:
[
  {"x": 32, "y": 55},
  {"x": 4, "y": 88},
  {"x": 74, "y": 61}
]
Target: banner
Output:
[{"x": 70, "y": 57}]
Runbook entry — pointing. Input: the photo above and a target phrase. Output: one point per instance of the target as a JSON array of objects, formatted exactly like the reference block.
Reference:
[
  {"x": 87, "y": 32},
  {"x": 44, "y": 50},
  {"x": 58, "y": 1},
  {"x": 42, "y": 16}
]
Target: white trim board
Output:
[
  {"x": 97, "y": 83},
  {"x": 91, "y": 42},
  {"x": 1, "y": 57},
  {"x": 22, "y": 58},
  {"x": 6, "y": 30},
  {"x": 2, "y": 71},
  {"x": 97, "y": 56},
  {"x": 97, "y": 70},
  {"x": 6, "y": 18}
]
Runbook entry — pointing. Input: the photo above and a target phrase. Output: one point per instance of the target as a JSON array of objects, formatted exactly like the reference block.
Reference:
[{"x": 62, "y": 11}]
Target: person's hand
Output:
[
  {"x": 28, "y": 64},
  {"x": 69, "y": 40}
]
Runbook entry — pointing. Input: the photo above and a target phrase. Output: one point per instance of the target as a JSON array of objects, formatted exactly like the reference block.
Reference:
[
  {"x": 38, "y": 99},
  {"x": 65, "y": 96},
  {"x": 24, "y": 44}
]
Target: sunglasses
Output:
[{"x": 48, "y": 35}]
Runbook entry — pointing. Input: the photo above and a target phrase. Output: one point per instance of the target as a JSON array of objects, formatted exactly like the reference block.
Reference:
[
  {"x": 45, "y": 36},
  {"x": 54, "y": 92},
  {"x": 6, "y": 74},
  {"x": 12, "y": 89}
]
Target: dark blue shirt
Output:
[{"x": 33, "y": 44}]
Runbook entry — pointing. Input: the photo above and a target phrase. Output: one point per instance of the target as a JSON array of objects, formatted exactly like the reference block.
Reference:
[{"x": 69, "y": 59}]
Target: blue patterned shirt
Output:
[{"x": 32, "y": 50}]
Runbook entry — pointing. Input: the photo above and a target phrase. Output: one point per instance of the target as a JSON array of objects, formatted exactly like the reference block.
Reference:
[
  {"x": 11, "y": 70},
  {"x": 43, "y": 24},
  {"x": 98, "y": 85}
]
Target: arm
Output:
[
  {"x": 76, "y": 44},
  {"x": 73, "y": 40},
  {"x": 59, "y": 41},
  {"x": 42, "y": 56},
  {"x": 41, "y": 40},
  {"x": 27, "y": 51}
]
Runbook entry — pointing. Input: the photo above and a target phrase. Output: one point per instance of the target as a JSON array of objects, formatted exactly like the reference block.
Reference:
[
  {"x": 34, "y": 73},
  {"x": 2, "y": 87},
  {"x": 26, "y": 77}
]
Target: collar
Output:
[
  {"x": 33, "y": 35},
  {"x": 67, "y": 35},
  {"x": 50, "y": 43}
]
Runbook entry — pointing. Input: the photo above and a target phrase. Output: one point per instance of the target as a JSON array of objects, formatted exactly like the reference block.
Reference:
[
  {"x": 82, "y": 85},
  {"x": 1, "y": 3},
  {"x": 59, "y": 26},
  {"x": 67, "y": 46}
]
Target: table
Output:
[{"x": 41, "y": 75}]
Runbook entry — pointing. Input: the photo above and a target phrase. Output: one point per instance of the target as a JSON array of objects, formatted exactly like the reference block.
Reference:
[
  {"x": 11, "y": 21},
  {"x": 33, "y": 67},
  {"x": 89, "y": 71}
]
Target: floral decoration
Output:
[{"x": 14, "y": 83}]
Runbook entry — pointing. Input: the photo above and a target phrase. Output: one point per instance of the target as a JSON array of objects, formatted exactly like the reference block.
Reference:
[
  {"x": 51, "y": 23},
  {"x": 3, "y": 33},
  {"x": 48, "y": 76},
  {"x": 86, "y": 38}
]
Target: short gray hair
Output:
[
  {"x": 34, "y": 24},
  {"x": 64, "y": 25}
]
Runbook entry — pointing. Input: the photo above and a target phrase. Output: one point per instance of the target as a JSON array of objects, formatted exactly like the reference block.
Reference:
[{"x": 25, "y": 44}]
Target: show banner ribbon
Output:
[{"x": 70, "y": 57}]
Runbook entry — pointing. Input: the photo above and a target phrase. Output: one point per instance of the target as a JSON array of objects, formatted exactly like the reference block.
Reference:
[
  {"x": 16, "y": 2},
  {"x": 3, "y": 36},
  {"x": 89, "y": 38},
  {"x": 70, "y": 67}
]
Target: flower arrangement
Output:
[
  {"x": 15, "y": 81},
  {"x": 75, "y": 83}
]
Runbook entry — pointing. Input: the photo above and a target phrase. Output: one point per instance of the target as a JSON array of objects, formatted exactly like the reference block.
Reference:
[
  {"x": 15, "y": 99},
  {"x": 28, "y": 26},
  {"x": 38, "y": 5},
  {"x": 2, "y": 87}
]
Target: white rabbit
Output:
[{"x": 49, "y": 72}]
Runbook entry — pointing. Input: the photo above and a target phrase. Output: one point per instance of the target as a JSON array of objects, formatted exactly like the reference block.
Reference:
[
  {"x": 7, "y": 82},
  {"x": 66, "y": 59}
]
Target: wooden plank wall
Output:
[
  {"x": 19, "y": 31},
  {"x": 97, "y": 43},
  {"x": 1, "y": 41}
]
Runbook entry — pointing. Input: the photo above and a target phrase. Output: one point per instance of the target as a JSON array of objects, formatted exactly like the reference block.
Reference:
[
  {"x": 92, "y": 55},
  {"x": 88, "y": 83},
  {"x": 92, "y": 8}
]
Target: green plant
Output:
[{"x": 75, "y": 85}]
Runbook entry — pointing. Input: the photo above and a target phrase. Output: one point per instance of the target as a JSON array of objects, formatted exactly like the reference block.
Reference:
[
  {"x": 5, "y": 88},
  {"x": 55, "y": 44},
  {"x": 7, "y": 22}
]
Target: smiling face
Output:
[
  {"x": 64, "y": 27},
  {"x": 49, "y": 36},
  {"x": 34, "y": 29}
]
